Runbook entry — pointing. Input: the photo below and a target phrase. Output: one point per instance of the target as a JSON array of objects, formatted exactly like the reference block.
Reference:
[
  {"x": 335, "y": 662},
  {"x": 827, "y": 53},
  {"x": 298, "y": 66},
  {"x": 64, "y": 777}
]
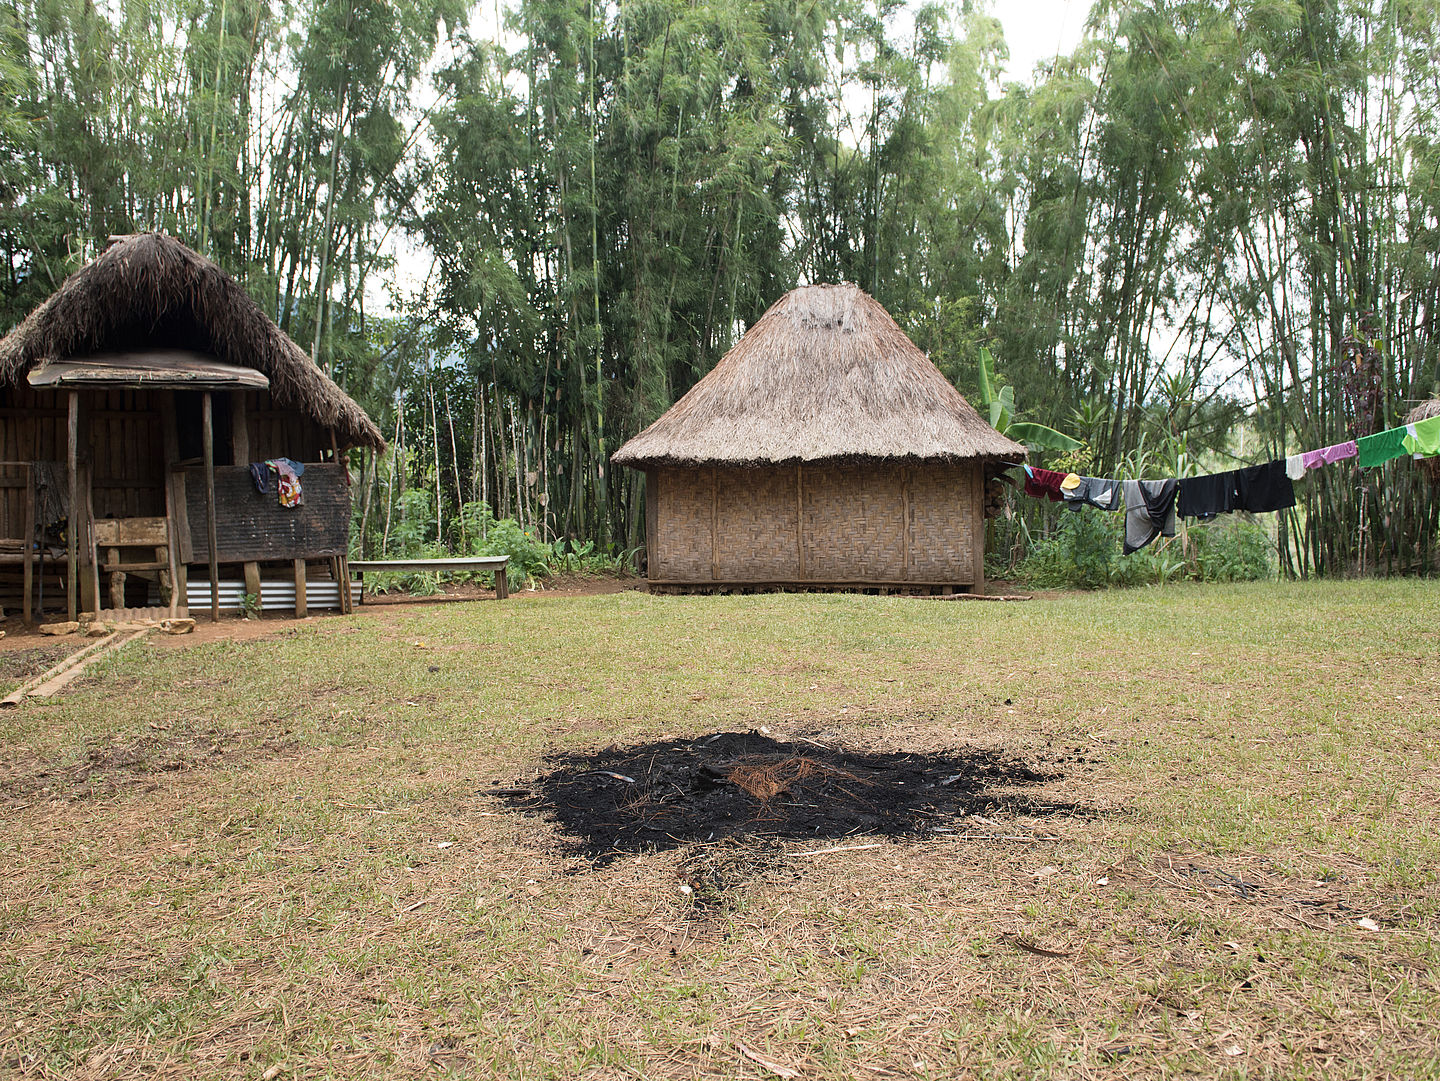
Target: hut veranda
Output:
[
  {"x": 132, "y": 404},
  {"x": 824, "y": 450}
]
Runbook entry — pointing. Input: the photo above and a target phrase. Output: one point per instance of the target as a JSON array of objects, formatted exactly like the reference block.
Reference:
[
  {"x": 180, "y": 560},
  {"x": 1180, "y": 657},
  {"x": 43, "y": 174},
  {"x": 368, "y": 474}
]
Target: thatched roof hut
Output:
[
  {"x": 149, "y": 291},
  {"x": 133, "y": 403},
  {"x": 825, "y": 374},
  {"x": 825, "y": 449}
]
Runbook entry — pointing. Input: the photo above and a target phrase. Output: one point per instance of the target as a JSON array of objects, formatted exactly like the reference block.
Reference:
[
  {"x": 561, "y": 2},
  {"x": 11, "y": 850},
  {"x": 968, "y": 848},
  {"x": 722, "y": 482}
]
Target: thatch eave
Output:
[{"x": 151, "y": 284}]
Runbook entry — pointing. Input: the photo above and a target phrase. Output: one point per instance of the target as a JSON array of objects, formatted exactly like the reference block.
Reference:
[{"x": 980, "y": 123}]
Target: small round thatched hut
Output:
[
  {"x": 1424, "y": 411},
  {"x": 824, "y": 449}
]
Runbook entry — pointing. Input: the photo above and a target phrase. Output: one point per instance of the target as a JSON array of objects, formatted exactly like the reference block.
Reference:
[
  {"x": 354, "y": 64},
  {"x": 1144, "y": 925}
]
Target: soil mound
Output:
[{"x": 677, "y": 792}]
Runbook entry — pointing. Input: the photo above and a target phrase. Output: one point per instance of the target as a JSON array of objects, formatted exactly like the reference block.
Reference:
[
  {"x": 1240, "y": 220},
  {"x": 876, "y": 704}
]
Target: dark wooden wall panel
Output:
[{"x": 251, "y": 526}]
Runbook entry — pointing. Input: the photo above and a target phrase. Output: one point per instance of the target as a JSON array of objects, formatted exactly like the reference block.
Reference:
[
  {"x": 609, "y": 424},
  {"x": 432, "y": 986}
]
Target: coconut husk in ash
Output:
[
  {"x": 824, "y": 374},
  {"x": 1424, "y": 411},
  {"x": 150, "y": 291}
]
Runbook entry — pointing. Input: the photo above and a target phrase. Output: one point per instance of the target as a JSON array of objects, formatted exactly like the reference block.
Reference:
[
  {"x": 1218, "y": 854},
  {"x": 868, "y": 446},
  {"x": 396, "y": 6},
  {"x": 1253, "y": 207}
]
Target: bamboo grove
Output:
[{"x": 517, "y": 232}]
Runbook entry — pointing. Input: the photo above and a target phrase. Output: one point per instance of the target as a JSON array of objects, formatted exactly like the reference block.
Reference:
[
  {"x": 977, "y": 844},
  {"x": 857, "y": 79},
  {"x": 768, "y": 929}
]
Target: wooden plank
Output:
[
  {"x": 28, "y": 605},
  {"x": 111, "y": 643},
  {"x": 502, "y": 583},
  {"x": 451, "y": 563},
  {"x": 72, "y": 463},
  {"x": 253, "y": 526},
  {"x": 301, "y": 609},
  {"x": 131, "y": 532},
  {"x": 207, "y": 422},
  {"x": 117, "y": 579},
  {"x": 152, "y": 368},
  {"x": 89, "y": 565},
  {"x": 252, "y": 583},
  {"x": 347, "y": 602},
  {"x": 18, "y": 694},
  {"x": 239, "y": 429}
]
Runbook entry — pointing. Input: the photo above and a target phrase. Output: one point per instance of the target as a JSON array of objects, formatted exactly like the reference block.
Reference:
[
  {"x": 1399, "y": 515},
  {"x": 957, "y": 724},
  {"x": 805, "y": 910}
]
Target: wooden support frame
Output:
[
  {"x": 208, "y": 438},
  {"x": 302, "y": 608},
  {"x": 240, "y": 455},
  {"x": 72, "y": 464},
  {"x": 27, "y": 607}
]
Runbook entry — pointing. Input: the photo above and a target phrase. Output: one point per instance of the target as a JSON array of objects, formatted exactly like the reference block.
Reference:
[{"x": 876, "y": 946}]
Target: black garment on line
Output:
[
  {"x": 1262, "y": 488},
  {"x": 1205, "y": 497},
  {"x": 1256, "y": 488}
]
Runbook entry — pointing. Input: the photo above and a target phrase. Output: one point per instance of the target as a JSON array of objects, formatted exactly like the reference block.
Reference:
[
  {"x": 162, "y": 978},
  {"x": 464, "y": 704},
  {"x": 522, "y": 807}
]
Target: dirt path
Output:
[{"x": 49, "y": 648}]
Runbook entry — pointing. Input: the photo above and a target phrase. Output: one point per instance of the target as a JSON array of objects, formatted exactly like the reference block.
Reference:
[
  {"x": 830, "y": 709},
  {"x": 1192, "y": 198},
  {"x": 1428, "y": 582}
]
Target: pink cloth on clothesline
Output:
[{"x": 1313, "y": 459}]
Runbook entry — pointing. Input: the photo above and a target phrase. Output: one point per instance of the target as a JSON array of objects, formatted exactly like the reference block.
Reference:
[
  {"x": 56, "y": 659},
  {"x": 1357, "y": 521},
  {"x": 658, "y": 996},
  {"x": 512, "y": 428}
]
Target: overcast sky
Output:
[{"x": 1038, "y": 29}]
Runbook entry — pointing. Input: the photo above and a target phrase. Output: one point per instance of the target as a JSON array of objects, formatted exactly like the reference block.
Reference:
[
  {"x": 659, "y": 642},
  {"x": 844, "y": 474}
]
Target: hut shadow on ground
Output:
[{"x": 676, "y": 793}]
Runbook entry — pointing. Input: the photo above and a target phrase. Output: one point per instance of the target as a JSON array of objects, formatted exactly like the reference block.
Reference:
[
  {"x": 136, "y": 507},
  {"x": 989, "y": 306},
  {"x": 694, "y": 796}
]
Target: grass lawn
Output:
[{"x": 281, "y": 857}]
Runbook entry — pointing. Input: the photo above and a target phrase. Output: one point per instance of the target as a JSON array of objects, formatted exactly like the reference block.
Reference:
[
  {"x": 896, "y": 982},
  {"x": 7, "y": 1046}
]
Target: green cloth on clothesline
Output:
[
  {"x": 1381, "y": 447},
  {"x": 1423, "y": 437}
]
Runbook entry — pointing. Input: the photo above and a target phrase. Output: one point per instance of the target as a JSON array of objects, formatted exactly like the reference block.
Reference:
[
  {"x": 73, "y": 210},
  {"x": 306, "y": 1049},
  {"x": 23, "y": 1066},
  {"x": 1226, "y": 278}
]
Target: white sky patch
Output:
[{"x": 1037, "y": 30}]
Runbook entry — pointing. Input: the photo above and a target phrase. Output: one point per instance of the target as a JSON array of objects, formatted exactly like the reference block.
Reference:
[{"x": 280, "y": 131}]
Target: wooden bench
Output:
[{"x": 456, "y": 563}]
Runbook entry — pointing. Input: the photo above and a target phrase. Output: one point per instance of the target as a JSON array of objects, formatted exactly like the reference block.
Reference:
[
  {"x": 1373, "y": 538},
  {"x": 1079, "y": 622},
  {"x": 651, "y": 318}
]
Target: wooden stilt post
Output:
[
  {"x": 240, "y": 455},
  {"x": 208, "y": 424},
  {"x": 302, "y": 608},
  {"x": 72, "y": 576},
  {"x": 90, "y": 583},
  {"x": 28, "y": 606}
]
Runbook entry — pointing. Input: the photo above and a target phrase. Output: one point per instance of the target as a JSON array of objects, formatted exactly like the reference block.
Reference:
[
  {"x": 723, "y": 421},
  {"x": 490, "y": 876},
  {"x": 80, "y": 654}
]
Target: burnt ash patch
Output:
[{"x": 670, "y": 794}]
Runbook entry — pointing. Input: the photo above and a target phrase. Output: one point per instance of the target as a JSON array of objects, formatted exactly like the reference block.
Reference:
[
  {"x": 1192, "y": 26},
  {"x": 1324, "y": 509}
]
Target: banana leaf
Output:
[{"x": 1039, "y": 435}]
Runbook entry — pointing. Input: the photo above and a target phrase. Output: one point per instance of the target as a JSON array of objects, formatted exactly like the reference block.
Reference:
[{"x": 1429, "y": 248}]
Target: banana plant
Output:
[{"x": 1001, "y": 405}]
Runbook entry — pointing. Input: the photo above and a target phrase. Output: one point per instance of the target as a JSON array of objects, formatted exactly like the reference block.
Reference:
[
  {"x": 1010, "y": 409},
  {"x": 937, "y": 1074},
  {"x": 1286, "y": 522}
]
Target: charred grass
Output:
[{"x": 1197, "y": 835}]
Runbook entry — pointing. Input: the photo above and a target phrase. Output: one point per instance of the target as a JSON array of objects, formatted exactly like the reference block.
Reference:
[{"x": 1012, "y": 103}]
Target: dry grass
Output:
[{"x": 280, "y": 853}]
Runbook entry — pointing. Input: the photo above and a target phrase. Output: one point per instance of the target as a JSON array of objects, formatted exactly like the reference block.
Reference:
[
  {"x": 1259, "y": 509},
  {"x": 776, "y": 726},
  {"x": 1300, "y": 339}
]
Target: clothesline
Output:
[{"x": 1151, "y": 506}]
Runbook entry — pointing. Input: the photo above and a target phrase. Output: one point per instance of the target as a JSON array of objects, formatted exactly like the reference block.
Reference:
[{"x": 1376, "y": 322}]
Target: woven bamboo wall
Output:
[
  {"x": 756, "y": 511},
  {"x": 684, "y": 517},
  {"x": 865, "y": 523},
  {"x": 855, "y": 523},
  {"x": 947, "y": 524}
]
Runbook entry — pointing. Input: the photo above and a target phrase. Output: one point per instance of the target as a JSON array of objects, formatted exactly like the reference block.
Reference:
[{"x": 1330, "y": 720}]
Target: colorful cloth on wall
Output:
[
  {"x": 1149, "y": 511},
  {"x": 1381, "y": 447},
  {"x": 287, "y": 479}
]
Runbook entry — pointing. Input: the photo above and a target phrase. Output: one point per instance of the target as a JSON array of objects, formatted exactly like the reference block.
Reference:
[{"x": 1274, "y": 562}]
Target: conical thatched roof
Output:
[
  {"x": 825, "y": 373},
  {"x": 150, "y": 290}
]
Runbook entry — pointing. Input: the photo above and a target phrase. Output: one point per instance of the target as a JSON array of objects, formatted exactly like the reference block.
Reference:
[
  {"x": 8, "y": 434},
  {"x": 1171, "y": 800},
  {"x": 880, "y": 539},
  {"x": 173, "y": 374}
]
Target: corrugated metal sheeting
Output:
[{"x": 274, "y": 595}]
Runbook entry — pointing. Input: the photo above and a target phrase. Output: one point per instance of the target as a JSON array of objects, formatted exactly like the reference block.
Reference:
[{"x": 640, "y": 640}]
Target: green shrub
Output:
[
  {"x": 1080, "y": 553},
  {"x": 1233, "y": 548}
]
